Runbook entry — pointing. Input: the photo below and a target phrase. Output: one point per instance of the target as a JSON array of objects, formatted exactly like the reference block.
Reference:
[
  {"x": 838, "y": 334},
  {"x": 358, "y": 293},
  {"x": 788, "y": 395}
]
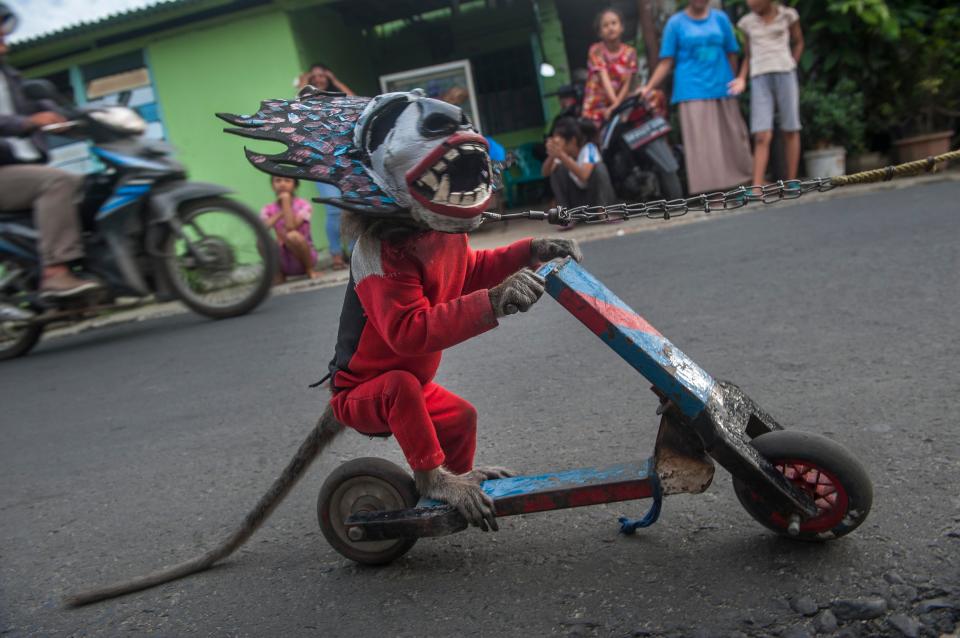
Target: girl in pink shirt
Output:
[{"x": 289, "y": 216}]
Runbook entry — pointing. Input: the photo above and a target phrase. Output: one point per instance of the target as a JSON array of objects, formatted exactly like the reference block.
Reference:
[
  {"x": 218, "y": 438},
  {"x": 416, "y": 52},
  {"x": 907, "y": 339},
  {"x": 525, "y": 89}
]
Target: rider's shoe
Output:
[
  {"x": 66, "y": 284},
  {"x": 10, "y": 312}
]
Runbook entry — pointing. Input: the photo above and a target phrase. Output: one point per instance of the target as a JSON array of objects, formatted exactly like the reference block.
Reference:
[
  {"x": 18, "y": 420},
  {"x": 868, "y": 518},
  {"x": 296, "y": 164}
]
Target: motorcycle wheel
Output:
[
  {"x": 223, "y": 262},
  {"x": 17, "y": 338}
]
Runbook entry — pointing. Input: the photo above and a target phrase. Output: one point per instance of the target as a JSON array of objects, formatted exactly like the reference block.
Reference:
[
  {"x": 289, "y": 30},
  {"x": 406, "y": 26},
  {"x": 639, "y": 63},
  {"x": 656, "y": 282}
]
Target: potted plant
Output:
[
  {"x": 833, "y": 124},
  {"x": 925, "y": 84}
]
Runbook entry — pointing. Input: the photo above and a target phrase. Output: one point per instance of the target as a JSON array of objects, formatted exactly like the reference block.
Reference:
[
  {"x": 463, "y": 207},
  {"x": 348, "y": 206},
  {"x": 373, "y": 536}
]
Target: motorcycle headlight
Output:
[{"x": 120, "y": 118}]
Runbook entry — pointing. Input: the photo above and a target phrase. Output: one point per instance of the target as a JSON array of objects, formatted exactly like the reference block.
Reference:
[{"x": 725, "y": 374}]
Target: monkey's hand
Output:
[
  {"x": 544, "y": 249},
  {"x": 481, "y": 474},
  {"x": 517, "y": 292},
  {"x": 462, "y": 492}
]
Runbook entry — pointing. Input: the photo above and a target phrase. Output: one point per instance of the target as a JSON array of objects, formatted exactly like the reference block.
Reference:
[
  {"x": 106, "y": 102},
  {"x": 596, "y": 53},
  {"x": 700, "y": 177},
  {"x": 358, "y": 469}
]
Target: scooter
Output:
[
  {"x": 635, "y": 149},
  {"x": 147, "y": 232},
  {"x": 802, "y": 486}
]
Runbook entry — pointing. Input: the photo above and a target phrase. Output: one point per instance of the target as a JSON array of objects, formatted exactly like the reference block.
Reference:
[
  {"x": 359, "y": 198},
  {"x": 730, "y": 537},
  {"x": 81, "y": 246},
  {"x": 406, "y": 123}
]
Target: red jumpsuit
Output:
[{"x": 407, "y": 301}]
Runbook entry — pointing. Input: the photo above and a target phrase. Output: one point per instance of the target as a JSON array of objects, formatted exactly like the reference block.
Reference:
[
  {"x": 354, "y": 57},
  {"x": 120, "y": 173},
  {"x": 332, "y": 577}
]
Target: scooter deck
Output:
[{"x": 511, "y": 496}]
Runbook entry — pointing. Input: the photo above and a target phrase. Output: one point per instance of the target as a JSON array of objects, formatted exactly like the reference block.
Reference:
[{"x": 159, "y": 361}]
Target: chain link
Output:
[
  {"x": 666, "y": 209},
  {"x": 707, "y": 202}
]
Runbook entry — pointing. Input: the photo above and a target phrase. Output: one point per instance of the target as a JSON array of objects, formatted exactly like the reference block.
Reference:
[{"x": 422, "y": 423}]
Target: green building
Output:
[{"x": 180, "y": 61}]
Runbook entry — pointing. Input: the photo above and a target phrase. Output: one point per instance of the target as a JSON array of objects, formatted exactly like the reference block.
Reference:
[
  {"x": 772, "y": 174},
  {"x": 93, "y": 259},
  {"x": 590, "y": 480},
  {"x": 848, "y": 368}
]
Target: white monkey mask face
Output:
[{"x": 427, "y": 156}]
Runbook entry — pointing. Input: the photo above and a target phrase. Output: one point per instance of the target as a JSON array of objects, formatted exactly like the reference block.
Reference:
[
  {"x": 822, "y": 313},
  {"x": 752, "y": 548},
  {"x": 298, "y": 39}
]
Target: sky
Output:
[{"x": 43, "y": 16}]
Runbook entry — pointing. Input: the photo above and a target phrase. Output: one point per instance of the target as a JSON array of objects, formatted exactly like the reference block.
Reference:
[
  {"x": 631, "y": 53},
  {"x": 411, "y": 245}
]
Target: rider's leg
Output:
[{"x": 51, "y": 193}]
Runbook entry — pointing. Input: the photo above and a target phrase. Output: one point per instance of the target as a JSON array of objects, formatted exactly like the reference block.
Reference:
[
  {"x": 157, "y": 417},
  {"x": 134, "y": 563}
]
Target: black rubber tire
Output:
[
  {"x": 826, "y": 455},
  {"x": 262, "y": 288},
  {"x": 389, "y": 479},
  {"x": 23, "y": 345}
]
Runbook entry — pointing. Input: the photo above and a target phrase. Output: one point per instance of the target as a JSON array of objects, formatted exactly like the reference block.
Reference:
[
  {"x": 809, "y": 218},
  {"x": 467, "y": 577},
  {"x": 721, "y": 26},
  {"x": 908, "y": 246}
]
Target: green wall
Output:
[
  {"x": 230, "y": 67},
  {"x": 555, "y": 50}
]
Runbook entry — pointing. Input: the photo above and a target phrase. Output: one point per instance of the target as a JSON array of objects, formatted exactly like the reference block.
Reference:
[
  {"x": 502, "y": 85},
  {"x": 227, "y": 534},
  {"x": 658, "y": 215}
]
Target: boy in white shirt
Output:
[{"x": 774, "y": 44}]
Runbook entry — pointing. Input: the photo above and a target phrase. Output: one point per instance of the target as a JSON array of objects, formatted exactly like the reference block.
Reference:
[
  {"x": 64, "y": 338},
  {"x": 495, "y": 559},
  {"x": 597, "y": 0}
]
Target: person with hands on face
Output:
[
  {"x": 575, "y": 167},
  {"x": 26, "y": 183},
  {"x": 289, "y": 216},
  {"x": 612, "y": 66},
  {"x": 322, "y": 77}
]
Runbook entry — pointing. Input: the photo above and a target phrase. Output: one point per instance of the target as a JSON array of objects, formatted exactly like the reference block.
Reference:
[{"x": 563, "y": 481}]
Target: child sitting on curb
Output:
[
  {"x": 289, "y": 216},
  {"x": 577, "y": 174}
]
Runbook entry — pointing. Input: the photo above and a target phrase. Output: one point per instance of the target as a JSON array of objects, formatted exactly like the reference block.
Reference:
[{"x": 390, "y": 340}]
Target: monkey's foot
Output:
[{"x": 484, "y": 473}]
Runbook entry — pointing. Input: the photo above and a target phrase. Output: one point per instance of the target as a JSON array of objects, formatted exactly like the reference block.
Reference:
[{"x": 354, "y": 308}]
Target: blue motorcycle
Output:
[{"x": 149, "y": 233}]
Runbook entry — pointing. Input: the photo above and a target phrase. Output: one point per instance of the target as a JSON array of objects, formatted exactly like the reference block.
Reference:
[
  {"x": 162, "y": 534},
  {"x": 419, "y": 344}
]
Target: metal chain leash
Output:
[{"x": 720, "y": 200}]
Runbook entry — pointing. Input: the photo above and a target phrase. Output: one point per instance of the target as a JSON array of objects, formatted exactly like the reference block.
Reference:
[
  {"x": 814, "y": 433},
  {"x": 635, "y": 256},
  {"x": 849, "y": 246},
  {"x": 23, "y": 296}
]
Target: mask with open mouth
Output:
[{"x": 396, "y": 155}]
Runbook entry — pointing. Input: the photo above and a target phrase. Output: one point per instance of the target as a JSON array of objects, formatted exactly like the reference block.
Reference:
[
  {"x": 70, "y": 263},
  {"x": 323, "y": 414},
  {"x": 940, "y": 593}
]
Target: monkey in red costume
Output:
[
  {"x": 416, "y": 288},
  {"x": 414, "y": 177}
]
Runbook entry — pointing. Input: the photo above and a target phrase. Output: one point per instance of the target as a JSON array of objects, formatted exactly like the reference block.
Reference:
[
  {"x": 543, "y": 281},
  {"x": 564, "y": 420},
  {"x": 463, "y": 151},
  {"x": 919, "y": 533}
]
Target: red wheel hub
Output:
[{"x": 822, "y": 486}]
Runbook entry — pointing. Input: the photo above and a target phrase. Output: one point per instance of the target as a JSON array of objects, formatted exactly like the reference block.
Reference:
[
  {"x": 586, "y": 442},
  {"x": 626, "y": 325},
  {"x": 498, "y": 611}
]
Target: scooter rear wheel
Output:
[
  {"x": 365, "y": 485},
  {"x": 825, "y": 470}
]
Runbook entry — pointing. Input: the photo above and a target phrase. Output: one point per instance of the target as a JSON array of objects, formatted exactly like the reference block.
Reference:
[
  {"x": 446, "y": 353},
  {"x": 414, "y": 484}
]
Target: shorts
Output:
[{"x": 774, "y": 91}]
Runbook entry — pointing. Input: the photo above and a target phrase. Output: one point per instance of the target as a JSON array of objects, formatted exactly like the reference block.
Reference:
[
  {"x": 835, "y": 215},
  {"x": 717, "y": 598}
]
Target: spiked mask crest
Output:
[{"x": 398, "y": 154}]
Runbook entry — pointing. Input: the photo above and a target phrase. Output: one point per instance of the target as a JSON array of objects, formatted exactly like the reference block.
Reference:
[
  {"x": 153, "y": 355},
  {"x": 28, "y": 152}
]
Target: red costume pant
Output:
[{"x": 433, "y": 426}]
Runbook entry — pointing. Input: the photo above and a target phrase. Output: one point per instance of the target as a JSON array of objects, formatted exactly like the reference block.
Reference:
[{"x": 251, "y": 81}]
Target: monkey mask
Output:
[{"x": 399, "y": 155}]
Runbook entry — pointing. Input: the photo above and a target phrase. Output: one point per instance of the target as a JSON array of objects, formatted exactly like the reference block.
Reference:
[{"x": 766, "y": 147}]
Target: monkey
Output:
[{"x": 415, "y": 177}]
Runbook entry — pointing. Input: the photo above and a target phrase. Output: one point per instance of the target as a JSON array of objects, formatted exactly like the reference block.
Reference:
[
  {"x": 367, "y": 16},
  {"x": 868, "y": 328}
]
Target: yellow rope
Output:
[{"x": 900, "y": 170}]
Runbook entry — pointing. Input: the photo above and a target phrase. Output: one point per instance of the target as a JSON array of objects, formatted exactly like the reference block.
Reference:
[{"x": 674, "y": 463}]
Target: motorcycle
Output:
[
  {"x": 634, "y": 145},
  {"x": 148, "y": 232}
]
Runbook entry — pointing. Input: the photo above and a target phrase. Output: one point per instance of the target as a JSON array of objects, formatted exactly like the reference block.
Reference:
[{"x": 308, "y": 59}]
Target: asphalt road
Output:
[{"x": 136, "y": 446}]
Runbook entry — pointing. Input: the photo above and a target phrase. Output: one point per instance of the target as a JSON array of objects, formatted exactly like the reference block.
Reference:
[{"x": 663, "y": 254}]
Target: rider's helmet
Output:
[{"x": 8, "y": 19}]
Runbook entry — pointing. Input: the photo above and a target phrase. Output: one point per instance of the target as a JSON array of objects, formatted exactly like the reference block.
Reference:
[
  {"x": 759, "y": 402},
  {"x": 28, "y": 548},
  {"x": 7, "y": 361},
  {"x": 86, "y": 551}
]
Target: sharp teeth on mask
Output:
[
  {"x": 467, "y": 199},
  {"x": 430, "y": 179},
  {"x": 443, "y": 193},
  {"x": 451, "y": 155},
  {"x": 440, "y": 166}
]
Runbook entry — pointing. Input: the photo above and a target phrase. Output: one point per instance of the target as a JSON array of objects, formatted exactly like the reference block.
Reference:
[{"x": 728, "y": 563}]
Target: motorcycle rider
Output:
[{"x": 26, "y": 182}]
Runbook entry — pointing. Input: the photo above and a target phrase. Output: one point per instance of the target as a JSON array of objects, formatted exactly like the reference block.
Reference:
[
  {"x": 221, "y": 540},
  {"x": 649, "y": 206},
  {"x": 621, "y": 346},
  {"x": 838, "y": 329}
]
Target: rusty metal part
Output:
[{"x": 680, "y": 460}]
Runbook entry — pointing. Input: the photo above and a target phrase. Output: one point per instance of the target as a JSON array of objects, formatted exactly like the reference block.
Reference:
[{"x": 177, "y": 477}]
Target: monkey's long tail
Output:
[{"x": 327, "y": 428}]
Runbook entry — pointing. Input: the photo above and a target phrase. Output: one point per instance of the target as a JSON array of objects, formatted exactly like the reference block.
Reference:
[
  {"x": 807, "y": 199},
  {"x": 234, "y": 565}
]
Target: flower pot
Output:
[
  {"x": 920, "y": 147},
  {"x": 826, "y": 162},
  {"x": 866, "y": 162}
]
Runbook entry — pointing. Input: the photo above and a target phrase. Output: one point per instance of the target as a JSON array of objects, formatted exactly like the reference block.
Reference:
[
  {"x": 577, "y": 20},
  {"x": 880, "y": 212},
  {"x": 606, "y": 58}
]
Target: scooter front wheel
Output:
[
  {"x": 365, "y": 485},
  {"x": 822, "y": 468}
]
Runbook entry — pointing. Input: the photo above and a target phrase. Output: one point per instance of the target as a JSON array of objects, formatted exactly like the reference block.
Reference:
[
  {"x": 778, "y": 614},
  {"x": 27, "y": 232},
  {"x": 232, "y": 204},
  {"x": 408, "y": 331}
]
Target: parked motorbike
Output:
[
  {"x": 147, "y": 232},
  {"x": 642, "y": 164}
]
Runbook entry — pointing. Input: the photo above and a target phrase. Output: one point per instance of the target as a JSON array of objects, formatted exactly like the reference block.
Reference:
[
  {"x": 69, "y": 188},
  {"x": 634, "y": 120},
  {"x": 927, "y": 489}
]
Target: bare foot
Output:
[{"x": 313, "y": 274}]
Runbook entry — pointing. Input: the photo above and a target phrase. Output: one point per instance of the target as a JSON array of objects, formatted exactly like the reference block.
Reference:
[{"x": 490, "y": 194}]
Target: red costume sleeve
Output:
[
  {"x": 487, "y": 268},
  {"x": 398, "y": 310}
]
